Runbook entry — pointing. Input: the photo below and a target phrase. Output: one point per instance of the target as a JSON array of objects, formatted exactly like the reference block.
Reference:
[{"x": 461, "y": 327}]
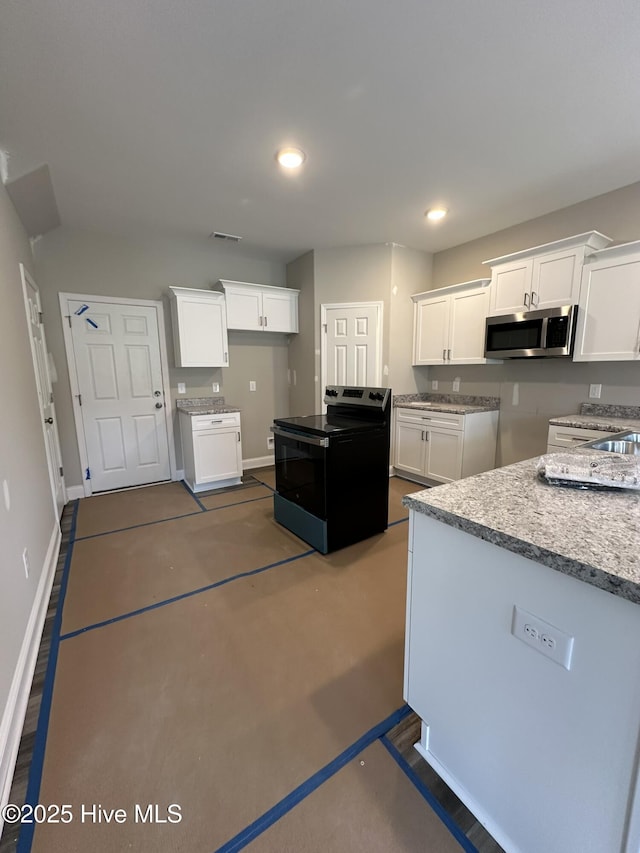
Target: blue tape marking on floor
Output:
[
  {"x": 25, "y": 838},
  {"x": 183, "y": 595},
  {"x": 194, "y": 496},
  {"x": 135, "y": 526},
  {"x": 251, "y": 832},
  {"x": 439, "y": 809},
  {"x": 399, "y": 521}
]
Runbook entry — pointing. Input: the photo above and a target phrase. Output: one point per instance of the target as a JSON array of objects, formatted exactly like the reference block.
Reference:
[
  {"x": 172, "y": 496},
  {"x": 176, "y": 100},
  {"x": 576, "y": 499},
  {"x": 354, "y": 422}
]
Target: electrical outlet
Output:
[
  {"x": 543, "y": 637},
  {"x": 182, "y": 388},
  {"x": 269, "y": 442},
  {"x": 434, "y": 384},
  {"x": 25, "y": 560},
  {"x": 456, "y": 383},
  {"x": 216, "y": 387},
  {"x": 252, "y": 385},
  {"x": 595, "y": 391}
]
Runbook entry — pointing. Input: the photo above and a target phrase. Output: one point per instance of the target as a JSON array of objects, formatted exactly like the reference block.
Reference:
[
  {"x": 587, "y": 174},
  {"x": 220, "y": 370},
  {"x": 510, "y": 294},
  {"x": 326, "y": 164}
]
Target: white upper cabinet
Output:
[
  {"x": 542, "y": 277},
  {"x": 260, "y": 307},
  {"x": 199, "y": 328},
  {"x": 609, "y": 316},
  {"x": 449, "y": 324}
]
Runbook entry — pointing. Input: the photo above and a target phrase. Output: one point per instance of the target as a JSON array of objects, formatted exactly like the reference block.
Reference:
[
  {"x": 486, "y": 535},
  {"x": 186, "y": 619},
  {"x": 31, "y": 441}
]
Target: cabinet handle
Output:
[
  {"x": 238, "y": 436},
  {"x": 533, "y": 302},
  {"x": 218, "y": 422},
  {"x": 260, "y": 320},
  {"x": 444, "y": 354},
  {"x": 422, "y": 436},
  {"x": 526, "y": 302},
  {"x": 448, "y": 355},
  {"x": 226, "y": 357},
  {"x": 265, "y": 320},
  {"x": 427, "y": 435},
  {"x": 638, "y": 342}
]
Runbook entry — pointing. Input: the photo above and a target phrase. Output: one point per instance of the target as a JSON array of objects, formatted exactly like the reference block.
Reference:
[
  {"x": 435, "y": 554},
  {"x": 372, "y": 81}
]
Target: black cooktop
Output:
[{"x": 327, "y": 425}]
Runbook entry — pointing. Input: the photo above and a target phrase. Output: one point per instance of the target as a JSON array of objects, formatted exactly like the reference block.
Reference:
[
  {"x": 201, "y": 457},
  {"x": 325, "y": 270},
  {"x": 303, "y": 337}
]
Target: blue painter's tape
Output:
[
  {"x": 251, "y": 832},
  {"x": 81, "y": 309},
  {"x": 87, "y": 474},
  {"x": 25, "y": 838},
  {"x": 194, "y": 496},
  {"x": 442, "y": 813},
  {"x": 91, "y": 323},
  {"x": 189, "y": 594}
]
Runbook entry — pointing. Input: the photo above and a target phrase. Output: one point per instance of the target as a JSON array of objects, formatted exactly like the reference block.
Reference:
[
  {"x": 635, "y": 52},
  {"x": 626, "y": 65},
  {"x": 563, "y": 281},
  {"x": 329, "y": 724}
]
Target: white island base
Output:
[{"x": 545, "y": 757}]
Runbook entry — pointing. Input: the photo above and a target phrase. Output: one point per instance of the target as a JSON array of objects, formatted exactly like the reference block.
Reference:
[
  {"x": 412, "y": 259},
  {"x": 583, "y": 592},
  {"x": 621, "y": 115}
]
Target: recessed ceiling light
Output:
[
  {"x": 435, "y": 214},
  {"x": 290, "y": 158}
]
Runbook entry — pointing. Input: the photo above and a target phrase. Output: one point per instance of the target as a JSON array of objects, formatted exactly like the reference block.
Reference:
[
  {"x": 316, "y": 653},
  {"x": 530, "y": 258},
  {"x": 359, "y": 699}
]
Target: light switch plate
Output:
[
  {"x": 434, "y": 384},
  {"x": 216, "y": 387},
  {"x": 182, "y": 388},
  {"x": 595, "y": 391},
  {"x": 252, "y": 385}
]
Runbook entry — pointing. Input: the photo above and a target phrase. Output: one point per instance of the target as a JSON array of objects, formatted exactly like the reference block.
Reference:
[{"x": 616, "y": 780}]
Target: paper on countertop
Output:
[{"x": 587, "y": 471}]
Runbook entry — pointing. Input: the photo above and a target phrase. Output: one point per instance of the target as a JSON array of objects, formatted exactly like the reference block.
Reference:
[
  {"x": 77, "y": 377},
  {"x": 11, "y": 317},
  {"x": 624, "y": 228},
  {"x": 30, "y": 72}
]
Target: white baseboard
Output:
[
  {"x": 258, "y": 462},
  {"x": 16, "y": 707},
  {"x": 75, "y": 492}
]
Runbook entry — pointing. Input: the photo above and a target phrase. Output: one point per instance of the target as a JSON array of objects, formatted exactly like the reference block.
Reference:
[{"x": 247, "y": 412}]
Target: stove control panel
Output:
[{"x": 357, "y": 396}]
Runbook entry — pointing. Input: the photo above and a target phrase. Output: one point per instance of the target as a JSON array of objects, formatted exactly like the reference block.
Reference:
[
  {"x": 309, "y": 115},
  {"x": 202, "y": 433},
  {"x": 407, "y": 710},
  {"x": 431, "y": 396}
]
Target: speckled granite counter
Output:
[
  {"x": 590, "y": 535},
  {"x": 204, "y": 406},
  {"x": 607, "y": 418},
  {"x": 458, "y": 404}
]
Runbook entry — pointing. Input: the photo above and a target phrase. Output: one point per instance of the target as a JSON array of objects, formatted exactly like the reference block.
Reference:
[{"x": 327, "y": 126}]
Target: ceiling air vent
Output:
[{"x": 220, "y": 235}]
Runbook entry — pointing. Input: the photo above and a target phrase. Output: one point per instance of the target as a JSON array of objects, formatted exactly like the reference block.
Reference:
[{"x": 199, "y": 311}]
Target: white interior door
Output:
[
  {"x": 351, "y": 343},
  {"x": 118, "y": 368},
  {"x": 45, "y": 389}
]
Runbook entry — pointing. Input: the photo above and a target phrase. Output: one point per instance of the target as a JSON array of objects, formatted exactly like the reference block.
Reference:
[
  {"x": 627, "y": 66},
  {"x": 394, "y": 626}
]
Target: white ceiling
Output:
[{"x": 165, "y": 115}]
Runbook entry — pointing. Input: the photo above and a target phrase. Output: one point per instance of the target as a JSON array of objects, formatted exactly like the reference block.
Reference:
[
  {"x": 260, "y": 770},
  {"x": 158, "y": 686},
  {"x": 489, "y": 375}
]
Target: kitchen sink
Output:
[{"x": 627, "y": 443}]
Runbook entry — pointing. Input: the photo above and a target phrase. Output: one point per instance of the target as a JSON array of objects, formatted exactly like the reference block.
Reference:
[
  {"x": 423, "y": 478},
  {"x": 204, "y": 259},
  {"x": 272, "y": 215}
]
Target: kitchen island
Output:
[{"x": 543, "y": 750}]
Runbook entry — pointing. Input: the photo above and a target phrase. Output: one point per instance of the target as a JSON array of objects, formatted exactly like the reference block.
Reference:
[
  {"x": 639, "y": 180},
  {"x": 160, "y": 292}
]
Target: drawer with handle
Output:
[
  {"x": 429, "y": 418},
  {"x": 228, "y": 419},
  {"x": 565, "y": 437}
]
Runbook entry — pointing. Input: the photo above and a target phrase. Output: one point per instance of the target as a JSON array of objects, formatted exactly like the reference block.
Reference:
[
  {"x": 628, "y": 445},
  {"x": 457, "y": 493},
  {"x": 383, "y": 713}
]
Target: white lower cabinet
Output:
[
  {"x": 562, "y": 438},
  {"x": 211, "y": 450},
  {"x": 441, "y": 446}
]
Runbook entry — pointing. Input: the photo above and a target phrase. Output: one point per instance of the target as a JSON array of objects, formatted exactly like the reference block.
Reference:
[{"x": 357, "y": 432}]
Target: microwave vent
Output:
[{"x": 220, "y": 235}]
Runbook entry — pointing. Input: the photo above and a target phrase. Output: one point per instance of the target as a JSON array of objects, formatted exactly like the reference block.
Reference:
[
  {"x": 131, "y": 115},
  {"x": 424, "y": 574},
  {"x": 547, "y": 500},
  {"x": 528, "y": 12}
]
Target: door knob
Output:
[
  {"x": 158, "y": 405},
  {"x": 48, "y": 420}
]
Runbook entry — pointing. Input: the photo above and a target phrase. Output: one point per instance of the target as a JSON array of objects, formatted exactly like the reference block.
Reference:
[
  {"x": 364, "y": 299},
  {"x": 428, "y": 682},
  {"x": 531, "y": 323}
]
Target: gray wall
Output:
[
  {"x": 544, "y": 388},
  {"x": 30, "y": 521},
  {"x": 74, "y": 261},
  {"x": 302, "y": 390}
]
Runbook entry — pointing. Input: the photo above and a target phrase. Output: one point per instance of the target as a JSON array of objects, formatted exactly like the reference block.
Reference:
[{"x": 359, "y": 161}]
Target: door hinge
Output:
[
  {"x": 61, "y": 471},
  {"x": 68, "y": 316},
  {"x": 324, "y": 326},
  {"x": 51, "y": 397},
  {"x": 40, "y": 317},
  {"x": 79, "y": 396}
]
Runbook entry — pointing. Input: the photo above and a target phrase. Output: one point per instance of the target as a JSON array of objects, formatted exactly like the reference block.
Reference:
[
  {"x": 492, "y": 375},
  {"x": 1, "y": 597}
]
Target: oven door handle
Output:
[{"x": 296, "y": 436}]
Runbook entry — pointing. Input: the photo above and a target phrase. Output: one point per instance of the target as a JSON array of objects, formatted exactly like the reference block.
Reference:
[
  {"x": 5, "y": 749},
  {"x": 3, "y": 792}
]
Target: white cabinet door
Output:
[
  {"x": 444, "y": 455},
  {"x": 410, "y": 447},
  {"x": 280, "y": 310},
  {"x": 609, "y": 316},
  {"x": 244, "y": 309},
  {"x": 467, "y": 326},
  {"x": 199, "y": 328},
  {"x": 431, "y": 330},
  {"x": 511, "y": 287},
  {"x": 217, "y": 454},
  {"x": 556, "y": 279}
]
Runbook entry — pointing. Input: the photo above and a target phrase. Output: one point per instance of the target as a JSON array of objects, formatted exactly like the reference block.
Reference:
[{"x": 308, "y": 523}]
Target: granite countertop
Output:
[
  {"x": 204, "y": 406},
  {"x": 593, "y": 536},
  {"x": 603, "y": 417},
  {"x": 458, "y": 404}
]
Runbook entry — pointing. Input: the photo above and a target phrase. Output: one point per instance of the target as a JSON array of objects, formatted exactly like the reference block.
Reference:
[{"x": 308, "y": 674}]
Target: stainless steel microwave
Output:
[{"x": 549, "y": 333}]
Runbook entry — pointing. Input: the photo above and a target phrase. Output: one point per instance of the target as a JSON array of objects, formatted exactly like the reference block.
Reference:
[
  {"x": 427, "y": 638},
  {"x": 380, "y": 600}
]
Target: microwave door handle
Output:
[{"x": 543, "y": 333}]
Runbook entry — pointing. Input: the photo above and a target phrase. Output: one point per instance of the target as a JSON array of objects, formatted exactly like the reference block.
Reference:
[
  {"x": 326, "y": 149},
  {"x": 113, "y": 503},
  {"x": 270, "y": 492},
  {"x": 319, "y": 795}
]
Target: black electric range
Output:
[{"x": 332, "y": 470}]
